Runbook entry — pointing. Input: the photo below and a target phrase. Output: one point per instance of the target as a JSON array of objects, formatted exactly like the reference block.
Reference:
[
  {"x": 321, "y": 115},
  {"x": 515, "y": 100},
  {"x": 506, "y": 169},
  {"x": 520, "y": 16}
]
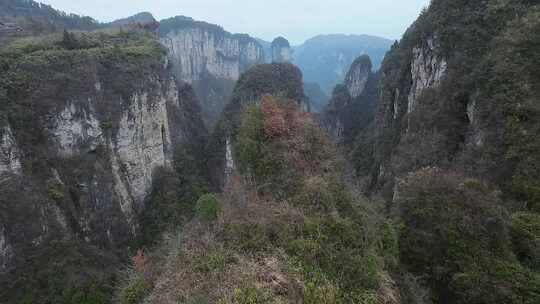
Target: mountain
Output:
[
  {"x": 281, "y": 50},
  {"x": 209, "y": 58},
  {"x": 93, "y": 126},
  {"x": 325, "y": 59},
  {"x": 267, "y": 47},
  {"x": 282, "y": 79},
  {"x": 351, "y": 109},
  {"x": 417, "y": 183},
  {"x": 454, "y": 151},
  {"x": 284, "y": 229},
  {"x": 22, "y": 18},
  {"x": 144, "y": 17}
]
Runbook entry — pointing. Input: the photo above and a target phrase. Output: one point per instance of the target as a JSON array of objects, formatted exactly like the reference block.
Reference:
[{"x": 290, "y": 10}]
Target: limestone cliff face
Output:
[
  {"x": 193, "y": 52},
  {"x": 427, "y": 70},
  {"x": 9, "y": 152},
  {"x": 281, "y": 50},
  {"x": 352, "y": 103},
  {"x": 209, "y": 58},
  {"x": 407, "y": 73},
  {"x": 139, "y": 145},
  {"x": 358, "y": 75},
  {"x": 79, "y": 169}
]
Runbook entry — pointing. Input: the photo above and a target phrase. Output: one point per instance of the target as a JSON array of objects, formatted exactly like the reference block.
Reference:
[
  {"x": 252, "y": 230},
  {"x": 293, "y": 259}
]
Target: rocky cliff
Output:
[
  {"x": 352, "y": 105},
  {"x": 281, "y": 50},
  {"x": 440, "y": 100},
  {"x": 209, "y": 58},
  {"x": 410, "y": 75},
  {"x": 455, "y": 146},
  {"x": 358, "y": 75},
  {"x": 79, "y": 147}
]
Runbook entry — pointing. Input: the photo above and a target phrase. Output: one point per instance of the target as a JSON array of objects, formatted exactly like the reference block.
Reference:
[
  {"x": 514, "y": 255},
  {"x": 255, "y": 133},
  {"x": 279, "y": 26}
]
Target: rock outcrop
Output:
[
  {"x": 427, "y": 70},
  {"x": 209, "y": 58},
  {"x": 10, "y": 155},
  {"x": 352, "y": 105},
  {"x": 281, "y": 50},
  {"x": 78, "y": 156},
  {"x": 403, "y": 84},
  {"x": 358, "y": 75}
]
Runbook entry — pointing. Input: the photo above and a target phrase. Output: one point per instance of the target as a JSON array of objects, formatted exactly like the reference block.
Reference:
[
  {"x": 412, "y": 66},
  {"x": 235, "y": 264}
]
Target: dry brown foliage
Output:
[{"x": 211, "y": 263}]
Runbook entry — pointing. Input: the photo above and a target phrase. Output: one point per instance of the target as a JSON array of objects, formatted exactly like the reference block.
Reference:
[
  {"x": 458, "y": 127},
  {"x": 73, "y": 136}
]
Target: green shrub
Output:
[
  {"x": 249, "y": 237},
  {"x": 213, "y": 261},
  {"x": 135, "y": 291},
  {"x": 455, "y": 232},
  {"x": 336, "y": 248},
  {"x": 250, "y": 294},
  {"x": 56, "y": 193},
  {"x": 525, "y": 233},
  {"x": 208, "y": 207}
]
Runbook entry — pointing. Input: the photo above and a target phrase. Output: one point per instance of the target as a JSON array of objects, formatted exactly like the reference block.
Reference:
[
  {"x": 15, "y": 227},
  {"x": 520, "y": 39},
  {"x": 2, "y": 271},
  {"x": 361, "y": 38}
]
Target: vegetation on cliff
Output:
[
  {"x": 288, "y": 228},
  {"x": 280, "y": 79},
  {"x": 39, "y": 78},
  {"x": 468, "y": 226}
]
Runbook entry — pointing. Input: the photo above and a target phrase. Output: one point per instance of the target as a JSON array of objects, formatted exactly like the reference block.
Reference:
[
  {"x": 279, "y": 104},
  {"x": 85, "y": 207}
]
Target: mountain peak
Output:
[
  {"x": 142, "y": 17},
  {"x": 281, "y": 50}
]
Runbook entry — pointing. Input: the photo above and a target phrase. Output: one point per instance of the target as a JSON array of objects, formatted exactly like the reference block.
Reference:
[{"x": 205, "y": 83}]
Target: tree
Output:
[{"x": 69, "y": 41}]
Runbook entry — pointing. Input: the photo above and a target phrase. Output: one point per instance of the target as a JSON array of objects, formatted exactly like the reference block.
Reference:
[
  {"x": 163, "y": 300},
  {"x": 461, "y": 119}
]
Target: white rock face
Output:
[
  {"x": 6, "y": 250},
  {"x": 396, "y": 104},
  {"x": 281, "y": 54},
  {"x": 358, "y": 76},
  {"x": 10, "y": 156},
  {"x": 427, "y": 70},
  {"x": 196, "y": 51},
  {"x": 140, "y": 144},
  {"x": 229, "y": 160},
  {"x": 476, "y": 136},
  {"x": 74, "y": 128}
]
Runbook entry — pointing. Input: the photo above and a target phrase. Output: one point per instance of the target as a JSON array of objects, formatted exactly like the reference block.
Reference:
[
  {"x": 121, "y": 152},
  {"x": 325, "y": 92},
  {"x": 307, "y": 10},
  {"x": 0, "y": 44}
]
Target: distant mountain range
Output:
[{"x": 325, "y": 59}]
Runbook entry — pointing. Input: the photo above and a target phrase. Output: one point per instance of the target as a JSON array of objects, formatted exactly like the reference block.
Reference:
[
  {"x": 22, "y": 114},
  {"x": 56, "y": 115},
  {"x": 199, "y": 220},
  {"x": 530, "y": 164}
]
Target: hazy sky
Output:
[{"x": 297, "y": 20}]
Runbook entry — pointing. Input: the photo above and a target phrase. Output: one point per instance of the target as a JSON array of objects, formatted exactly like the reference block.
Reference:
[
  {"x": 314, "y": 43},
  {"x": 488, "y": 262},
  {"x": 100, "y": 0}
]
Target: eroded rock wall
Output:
[{"x": 210, "y": 59}]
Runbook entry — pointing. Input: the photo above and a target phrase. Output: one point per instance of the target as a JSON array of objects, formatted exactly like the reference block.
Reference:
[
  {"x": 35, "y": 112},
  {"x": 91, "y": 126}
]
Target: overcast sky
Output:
[{"x": 297, "y": 20}]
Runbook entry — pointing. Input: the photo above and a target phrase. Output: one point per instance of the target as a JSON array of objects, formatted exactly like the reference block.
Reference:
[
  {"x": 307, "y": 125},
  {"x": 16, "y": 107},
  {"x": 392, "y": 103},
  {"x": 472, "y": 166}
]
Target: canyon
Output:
[{"x": 146, "y": 161}]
